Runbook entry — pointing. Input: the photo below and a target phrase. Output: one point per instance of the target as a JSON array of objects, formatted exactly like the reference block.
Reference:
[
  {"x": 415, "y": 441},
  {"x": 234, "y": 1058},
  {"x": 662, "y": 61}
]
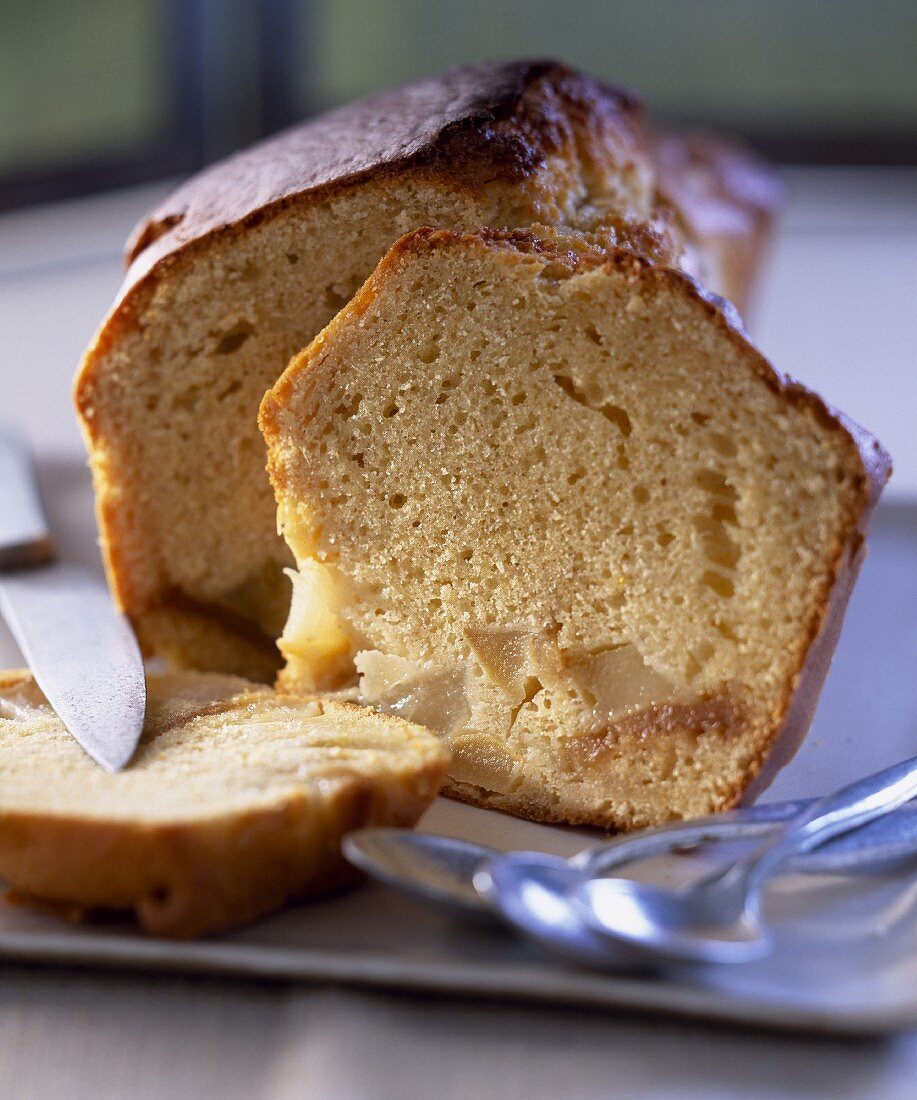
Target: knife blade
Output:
[{"x": 82, "y": 652}]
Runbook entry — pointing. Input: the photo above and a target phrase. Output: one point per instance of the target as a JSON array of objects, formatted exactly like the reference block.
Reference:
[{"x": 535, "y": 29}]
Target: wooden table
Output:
[{"x": 839, "y": 311}]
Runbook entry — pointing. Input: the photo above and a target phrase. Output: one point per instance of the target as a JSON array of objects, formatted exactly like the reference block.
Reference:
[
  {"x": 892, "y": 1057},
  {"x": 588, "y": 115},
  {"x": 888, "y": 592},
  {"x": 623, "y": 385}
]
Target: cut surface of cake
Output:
[
  {"x": 236, "y": 801},
  {"x": 245, "y": 263},
  {"x": 549, "y": 501}
]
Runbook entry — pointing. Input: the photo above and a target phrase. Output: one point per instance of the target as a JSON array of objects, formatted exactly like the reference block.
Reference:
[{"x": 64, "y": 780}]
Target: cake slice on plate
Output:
[
  {"x": 236, "y": 801},
  {"x": 548, "y": 500}
]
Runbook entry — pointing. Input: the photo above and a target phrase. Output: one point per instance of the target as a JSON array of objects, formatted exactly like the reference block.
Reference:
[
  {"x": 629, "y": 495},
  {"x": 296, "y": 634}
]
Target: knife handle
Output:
[{"x": 24, "y": 536}]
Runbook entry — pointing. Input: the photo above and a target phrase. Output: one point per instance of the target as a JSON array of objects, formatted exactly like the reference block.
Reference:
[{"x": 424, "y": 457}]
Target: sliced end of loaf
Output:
[{"x": 236, "y": 801}]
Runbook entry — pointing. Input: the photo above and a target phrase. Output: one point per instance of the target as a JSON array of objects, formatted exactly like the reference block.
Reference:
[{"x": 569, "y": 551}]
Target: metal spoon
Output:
[
  {"x": 718, "y": 919},
  {"x": 438, "y": 870},
  {"x": 434, "y": 870},
  {"x": 531, "y": 892}
]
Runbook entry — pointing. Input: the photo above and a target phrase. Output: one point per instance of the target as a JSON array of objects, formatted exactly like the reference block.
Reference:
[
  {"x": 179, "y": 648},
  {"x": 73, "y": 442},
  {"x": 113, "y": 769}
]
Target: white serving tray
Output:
[{"x": 847, "y": 952}]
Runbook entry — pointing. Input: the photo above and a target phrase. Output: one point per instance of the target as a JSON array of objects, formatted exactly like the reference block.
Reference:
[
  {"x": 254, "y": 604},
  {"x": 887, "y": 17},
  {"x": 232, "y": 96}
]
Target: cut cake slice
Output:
[
  {"x": 236, "y": 801},
  {"x": 551, "y": 502}
]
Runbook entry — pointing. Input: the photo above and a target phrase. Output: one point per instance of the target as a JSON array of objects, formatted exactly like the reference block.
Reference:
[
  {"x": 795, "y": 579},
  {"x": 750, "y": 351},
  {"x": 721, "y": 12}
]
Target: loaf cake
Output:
[
  {"x": 236, "y": 801},
  {"x": 244, "y": 264},
  {"x": 548, "y": 500}
]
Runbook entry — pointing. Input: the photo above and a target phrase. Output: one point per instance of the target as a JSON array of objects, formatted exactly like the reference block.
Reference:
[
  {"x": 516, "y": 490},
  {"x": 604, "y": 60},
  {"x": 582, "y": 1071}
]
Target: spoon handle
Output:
[{"x": 827, "y": 817}]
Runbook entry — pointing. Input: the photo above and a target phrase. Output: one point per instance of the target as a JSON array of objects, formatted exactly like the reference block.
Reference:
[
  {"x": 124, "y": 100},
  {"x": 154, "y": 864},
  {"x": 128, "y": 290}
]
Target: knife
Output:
[{"x": 82, "y": 652}]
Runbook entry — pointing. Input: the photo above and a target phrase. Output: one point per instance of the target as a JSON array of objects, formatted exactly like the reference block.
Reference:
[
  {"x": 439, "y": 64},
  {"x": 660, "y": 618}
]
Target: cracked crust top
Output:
[{"x": 473, "y": 123}]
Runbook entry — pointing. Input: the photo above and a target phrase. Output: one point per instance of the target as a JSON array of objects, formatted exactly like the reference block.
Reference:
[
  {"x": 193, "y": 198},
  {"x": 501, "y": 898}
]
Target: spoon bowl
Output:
[
  {"x": 531, "y": 891},
  {"x": 717, "y": 918},
  {"x": 666, "y": 923}
]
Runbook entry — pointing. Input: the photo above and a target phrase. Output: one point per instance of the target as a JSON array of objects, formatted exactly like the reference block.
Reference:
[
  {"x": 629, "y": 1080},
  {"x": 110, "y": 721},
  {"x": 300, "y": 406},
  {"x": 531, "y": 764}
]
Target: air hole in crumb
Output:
[
  {"x": 721, "y": 585},
  {"x": 229, "y": 389},
  {"x": 531, "y": 686},
  {"x": 347, "y": 407},
  {"x": 612, "y": 413},
  {"x": 700, "y": 418},
  {"x": 723, "y": 445},
  {"x": 723, "y": 552},
  {"x": 391, "y": 409},
  {"x": 725, "y": 513},
  {"x": 292, "y": 258},
  {"x": 359, "y": 459},
  {"x": 234, "y": 339},
  {"x": 397, "y": 500},
  {"x": 640, "y": 494},
  {"x": 556, "y": 271},
  {"x": 715, "y": 483},
  {"x": 335, "y": 299},
  {"x": 592, "y": 333}
]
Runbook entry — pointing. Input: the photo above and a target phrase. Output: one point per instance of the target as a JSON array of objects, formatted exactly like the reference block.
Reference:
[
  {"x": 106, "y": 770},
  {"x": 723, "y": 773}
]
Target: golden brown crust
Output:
[
  {"x": 192, "y": 880},
  {"x": 203, "y": 875},
  {"x": 470, "y": 124}
]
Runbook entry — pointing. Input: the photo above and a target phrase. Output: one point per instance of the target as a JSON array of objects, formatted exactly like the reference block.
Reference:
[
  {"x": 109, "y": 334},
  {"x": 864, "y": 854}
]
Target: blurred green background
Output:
[{"x": 101, "y": 93}]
